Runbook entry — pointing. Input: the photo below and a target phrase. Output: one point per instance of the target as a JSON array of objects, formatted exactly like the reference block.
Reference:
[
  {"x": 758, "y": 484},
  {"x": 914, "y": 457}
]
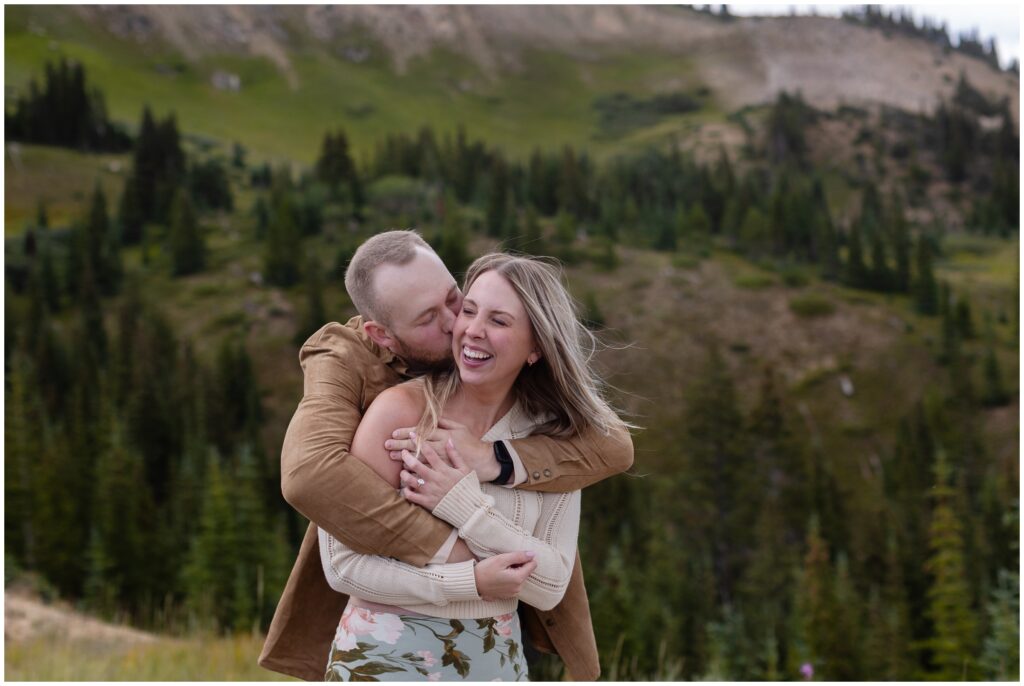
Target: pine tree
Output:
[
  {"x": 119, "y": 518},
  {"x": 856, "y": 270},
  {"x": 209, "y": 574},
  {"x": 880, "y": 277},
  {"x": 964, "y": 320},
  {"x": 818, "y": 604},
  {"x": 334, "y": 167},
  {"x": 893, "y": 627},
  {"x": 925, "y": 289},
  {"x": 497, "y": 200},
  {"x": 994, "y": 393},
  {"x": 1000, "y": 657},
  {"x": 900, "y": 231},
  {"x": 452, "y": 244},
  {"x": 42, "y": 218},
  {"x": 755, "y": 232},
  {"x": 102, "y": 251},
  {"x": 666, "y": 239},
  {"x": 188, "y": 249},
  {"x": 697, "y": 221},
  {"x": 262, "y": 214},
  {"x": 533, "y": 238},
  {"x": 953, "y": 642},
  {"x": 283, "y": 251},
  {"x": 316, "y": 315},
  {"x": 21, "y": 445},
  {"x": 718, "y": 462}
]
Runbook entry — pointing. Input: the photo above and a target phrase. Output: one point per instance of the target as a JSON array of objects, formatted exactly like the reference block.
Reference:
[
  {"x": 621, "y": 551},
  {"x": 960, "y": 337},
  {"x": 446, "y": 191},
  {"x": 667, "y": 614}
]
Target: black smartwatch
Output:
[{"x": 505, "y": 461}]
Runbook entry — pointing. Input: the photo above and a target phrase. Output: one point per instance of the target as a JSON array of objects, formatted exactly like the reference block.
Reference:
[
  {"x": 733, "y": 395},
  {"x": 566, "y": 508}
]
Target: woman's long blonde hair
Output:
[{"x": 561, "y": 385}]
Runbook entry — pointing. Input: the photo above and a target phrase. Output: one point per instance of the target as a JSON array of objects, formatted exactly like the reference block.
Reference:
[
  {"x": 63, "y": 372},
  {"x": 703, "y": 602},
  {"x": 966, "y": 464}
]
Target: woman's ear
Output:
[{"x": 532, "y": 358}]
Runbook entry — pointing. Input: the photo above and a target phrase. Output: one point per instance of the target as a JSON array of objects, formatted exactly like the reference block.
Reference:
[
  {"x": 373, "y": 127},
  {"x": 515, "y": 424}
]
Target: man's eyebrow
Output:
[{"x": 454, "y": 288}]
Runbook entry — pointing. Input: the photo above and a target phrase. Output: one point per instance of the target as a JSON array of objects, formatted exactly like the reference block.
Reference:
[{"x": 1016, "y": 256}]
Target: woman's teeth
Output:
[{"x": 475, "y": 354}]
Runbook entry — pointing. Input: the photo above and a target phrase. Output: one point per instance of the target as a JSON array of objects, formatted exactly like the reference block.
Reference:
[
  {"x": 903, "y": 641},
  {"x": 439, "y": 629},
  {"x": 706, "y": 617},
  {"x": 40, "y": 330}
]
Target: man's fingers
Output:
[
  {"x": 403, "y": 433},
  {"x": 397, "y": 446},
  {"x": 430, "y": 455},
  {"x": 453, "y": 455}
]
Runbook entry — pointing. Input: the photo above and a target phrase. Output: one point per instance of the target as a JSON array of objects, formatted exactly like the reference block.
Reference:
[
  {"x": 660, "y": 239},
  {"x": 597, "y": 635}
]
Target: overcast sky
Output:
[{"x": 993, "y": 20}]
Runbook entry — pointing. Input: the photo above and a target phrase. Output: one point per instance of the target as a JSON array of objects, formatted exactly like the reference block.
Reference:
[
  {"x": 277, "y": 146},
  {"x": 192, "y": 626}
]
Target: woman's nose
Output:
[{"x": 474, "y": 330}]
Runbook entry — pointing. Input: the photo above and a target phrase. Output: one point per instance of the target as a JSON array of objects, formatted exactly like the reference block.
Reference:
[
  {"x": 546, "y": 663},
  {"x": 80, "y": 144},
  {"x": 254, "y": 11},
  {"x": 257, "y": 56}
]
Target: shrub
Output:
[{"x": 811, "y": 305}]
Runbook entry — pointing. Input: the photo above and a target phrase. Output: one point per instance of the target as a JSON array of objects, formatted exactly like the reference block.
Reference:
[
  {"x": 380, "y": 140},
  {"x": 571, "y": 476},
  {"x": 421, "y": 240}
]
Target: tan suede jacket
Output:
[{"x": 344, "y": 371}]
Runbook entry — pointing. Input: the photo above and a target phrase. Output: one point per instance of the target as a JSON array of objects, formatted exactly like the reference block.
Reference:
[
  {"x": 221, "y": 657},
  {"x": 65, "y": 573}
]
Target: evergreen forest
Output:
[{"x": 844, "y": 509}]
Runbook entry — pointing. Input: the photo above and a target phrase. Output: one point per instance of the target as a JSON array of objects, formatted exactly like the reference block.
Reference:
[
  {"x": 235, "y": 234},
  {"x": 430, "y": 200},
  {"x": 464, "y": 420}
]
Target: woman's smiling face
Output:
[{"x": 493, "y": 337}]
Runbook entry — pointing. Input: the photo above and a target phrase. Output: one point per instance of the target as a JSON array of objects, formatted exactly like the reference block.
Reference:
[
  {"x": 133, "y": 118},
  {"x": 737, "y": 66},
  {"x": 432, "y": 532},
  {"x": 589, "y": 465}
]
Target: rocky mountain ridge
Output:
[{"x": 743, "y": 60}]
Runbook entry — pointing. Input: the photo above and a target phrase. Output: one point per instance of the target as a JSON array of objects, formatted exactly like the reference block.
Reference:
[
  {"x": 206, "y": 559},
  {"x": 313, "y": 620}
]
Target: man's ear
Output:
[{"x": 379, "y": 334}]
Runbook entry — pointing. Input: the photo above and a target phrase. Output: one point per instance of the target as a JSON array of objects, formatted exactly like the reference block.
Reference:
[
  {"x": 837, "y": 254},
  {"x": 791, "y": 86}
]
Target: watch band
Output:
[{"x": 505, "y": 461}]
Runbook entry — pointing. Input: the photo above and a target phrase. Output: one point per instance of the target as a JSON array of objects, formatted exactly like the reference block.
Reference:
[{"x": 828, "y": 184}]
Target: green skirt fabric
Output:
[{"x": 380, "y": 646}]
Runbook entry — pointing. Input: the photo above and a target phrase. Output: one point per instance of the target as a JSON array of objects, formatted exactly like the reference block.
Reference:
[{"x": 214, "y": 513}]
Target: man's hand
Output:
[
  {"x": 427, "y": 483},
  {"x": 502, "y": 576},
  {"x": 478, "y": 455}
]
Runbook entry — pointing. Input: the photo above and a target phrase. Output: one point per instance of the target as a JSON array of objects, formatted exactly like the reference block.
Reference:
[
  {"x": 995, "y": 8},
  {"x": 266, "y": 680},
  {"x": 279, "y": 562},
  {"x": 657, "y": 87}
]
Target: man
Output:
[{"x": 407, "y": 302}]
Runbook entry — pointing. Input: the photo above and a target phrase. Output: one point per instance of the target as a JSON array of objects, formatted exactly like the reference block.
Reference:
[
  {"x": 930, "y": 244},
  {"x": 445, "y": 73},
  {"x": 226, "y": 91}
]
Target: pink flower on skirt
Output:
[
  {"x": 434, "y": 676},
  {"x": 428, "y": 658},
  {"x": 504, "y": 625},
  {"x": 359, "y": 621}
]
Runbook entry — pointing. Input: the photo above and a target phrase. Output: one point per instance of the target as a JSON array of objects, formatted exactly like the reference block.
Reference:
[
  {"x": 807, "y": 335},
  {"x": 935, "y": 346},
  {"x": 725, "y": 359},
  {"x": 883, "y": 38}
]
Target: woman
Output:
[{"x": 521, "y": 367}]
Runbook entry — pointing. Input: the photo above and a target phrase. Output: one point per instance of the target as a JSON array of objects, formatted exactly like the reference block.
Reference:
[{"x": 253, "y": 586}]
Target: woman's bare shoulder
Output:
[
  {"x": 404, "y": 403},
  {"x": 396, "y": 407}
]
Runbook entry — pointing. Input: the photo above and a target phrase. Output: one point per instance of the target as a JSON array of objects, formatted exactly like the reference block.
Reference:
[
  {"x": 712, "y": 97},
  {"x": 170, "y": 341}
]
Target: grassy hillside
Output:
[{"x": 549, "y": 102}]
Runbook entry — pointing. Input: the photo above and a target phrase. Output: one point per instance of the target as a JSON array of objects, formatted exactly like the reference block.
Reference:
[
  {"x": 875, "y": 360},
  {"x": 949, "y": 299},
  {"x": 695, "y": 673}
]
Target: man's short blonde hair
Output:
[{"x": 390, "y": 247}]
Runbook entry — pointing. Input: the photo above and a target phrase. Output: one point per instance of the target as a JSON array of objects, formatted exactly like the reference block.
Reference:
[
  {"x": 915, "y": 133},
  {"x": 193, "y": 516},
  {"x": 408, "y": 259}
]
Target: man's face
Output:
[{"x": 422, "y": 301}]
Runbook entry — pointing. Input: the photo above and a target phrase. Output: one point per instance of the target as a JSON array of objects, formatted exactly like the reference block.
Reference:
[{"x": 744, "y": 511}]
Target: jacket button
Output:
[
  {"x": 547, "y": 472},
  {"x": 536, "y": 475},
  {"x": 549, "y": 621}
]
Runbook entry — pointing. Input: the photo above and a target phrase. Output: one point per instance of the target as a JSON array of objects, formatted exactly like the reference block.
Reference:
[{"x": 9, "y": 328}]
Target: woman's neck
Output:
[{"x": 479, "y": 407}]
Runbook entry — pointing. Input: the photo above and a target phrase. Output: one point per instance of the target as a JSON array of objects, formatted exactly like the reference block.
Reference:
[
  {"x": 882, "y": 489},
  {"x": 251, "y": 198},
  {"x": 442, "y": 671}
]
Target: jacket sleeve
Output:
[
  {"x": 569, "y": 464},
  {"x": 488, "y": 532},
  {"x": 321, "y": 479},
  {"x": 385, "y": 580}
]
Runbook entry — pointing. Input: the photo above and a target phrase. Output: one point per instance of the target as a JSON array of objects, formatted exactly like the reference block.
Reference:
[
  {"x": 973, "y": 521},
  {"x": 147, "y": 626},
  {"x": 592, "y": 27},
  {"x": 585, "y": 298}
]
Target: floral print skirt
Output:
[{"x": 380, "y": 646}]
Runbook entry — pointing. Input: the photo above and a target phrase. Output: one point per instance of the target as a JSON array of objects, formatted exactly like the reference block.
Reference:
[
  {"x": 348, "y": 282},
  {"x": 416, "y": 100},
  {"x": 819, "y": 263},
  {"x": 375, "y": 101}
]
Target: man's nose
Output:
[{"x": 447, "y": 320}]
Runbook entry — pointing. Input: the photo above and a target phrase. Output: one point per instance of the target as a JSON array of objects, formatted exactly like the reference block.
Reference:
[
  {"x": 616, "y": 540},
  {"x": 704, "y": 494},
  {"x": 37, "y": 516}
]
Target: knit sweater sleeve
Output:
[
  {"x": 488, "y": 532},
  {"x": 386, "y": 580}
]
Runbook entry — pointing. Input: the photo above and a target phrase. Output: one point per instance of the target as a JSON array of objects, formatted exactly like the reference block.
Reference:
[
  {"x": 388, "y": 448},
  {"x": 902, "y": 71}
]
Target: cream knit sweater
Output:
[{"x": 491, "y": 519}]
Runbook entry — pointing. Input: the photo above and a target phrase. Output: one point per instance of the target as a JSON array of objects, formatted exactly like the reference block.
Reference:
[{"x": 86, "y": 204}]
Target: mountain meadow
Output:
[{"x": 797, "y": 238}]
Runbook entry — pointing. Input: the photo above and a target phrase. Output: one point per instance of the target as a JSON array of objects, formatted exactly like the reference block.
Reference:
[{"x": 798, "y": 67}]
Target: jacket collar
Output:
[{"x": 386, "y": 356}]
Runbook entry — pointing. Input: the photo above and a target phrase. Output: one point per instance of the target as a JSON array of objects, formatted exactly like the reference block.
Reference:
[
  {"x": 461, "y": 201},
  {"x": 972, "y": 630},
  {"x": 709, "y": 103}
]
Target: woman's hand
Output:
[
  {"x": 426, "y": 483},
  {"x": 501, "y": 577}
]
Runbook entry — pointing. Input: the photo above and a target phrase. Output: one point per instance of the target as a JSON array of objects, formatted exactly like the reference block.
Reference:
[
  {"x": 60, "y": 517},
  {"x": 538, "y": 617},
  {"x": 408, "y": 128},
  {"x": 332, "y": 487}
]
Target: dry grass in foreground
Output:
[{"x": 54, "y": 643}]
